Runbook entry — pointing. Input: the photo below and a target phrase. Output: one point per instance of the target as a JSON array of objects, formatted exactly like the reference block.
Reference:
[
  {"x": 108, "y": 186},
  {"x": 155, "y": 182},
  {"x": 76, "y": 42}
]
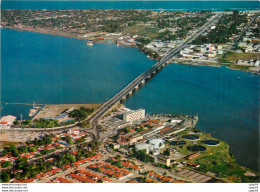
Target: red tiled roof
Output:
[
  {"x": 82, "y": 178},
  {"x": 53, "y": 171},
  {"x": 167, "y": 179},
  {"x": 165, "y": 129},
  {"x": 158, "y": 176},
  {"x": 178, "y": 181},
  {"x": 17, "y": 170},
  {"x": 87, "y": 159},
  {"x": 118, "y": 175},
  {"x": 133, "y": 181},
  {"x": 154, "y": 121},
  {"x": 27, "y": 180},
  {"x": 62, "y": 180},
  {"x": 193, "y": 155},
  {"x": 66, "y": 166},
  {"x": 150, "y": 180},
  {"x": 136, "y": 167},
  {"x": 28, "y": 155}
]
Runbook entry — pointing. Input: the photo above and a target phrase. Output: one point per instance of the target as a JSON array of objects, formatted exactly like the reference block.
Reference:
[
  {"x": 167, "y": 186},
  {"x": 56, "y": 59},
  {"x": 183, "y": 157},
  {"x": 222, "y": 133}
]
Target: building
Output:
[
  {"x": 129, "y": 138},
  {"x": 73, "y": 131},
  {"x": 153, "y": 146},
  {"x": 143, "y": 146},
  {"x": 162, "y": 159},
  {"x": 192, "y": 156},
  {"x": 7, "y": 121},
  {"x": 116, "y": 146},
  {"x": 157, "y": 143},
  {"x": 134, "y": 115}
]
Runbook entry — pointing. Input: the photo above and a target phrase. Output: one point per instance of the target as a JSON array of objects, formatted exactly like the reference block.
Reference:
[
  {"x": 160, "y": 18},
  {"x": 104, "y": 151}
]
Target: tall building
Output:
[{"x": 134, "y": 115}]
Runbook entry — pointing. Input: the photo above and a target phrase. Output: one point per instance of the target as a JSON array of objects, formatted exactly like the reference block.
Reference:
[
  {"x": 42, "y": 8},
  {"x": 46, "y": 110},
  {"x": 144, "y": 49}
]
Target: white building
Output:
[
  {"x": 73, "y": 131},
  {"x": 134, "y": 115},
  {"x": 143, "y": 146},
  {"x": 153, "y": 146},
  {"x": 7, "y": 121},
  {"x": 157, "y": 143}
]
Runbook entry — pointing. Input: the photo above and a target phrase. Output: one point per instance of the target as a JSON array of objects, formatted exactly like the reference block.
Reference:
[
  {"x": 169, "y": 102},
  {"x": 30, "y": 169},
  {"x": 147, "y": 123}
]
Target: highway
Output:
[{"x": 147, "y": 74}]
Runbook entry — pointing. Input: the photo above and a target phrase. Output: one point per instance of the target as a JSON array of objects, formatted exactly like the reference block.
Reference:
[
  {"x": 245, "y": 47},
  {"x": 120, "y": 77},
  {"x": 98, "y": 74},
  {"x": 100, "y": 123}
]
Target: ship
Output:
[
  {"x": 89, "y": 43},
  {"x": 34, "y": 110}
]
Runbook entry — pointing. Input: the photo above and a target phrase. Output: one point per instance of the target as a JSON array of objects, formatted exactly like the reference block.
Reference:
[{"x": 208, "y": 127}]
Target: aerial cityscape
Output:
[{"x": 129, "y": 95}]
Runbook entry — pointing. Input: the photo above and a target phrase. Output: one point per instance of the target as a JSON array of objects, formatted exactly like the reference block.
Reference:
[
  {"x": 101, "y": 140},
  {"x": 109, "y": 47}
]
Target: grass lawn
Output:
[
  {"x": 238, "y": 67},
  {"x": 233, "y": 57},
  {"x": 148, "y": 31},
  {"x": 216, "y": 159}
]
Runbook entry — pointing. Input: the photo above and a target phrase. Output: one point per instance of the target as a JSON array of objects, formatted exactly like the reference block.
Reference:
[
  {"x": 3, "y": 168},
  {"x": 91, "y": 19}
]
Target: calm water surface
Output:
[
  {"x": 154, "y": 5},
  {"x": 52, "y": 69}
]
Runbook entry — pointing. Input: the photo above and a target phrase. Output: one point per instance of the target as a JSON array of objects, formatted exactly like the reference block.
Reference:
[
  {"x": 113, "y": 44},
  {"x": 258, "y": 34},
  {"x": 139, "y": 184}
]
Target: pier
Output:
[{"x": 6, "y": 103}]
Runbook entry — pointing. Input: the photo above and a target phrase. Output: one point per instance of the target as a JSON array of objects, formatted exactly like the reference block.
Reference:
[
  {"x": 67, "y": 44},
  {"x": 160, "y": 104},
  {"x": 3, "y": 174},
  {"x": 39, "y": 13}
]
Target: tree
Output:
[
  {"x": 48, "y": 140},
  {"x": 14, "y": 151},
  {"x": 166, "y": 152},
  {"x": 85, "y": 124},
  {"x": 32, "y": 149},
  {"x": 235, "y": 12},
  {"x": 6, "y": 164},
  {"x": 16, "y": 122},
  {"x": 5, "y": 177},
  {"x": 70, "y": 142}
]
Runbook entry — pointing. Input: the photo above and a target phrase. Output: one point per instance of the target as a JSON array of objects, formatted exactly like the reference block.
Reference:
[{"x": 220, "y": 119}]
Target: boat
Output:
[
  {"x": 34, "y": 110},
  {"x": 89, "y": 43}
]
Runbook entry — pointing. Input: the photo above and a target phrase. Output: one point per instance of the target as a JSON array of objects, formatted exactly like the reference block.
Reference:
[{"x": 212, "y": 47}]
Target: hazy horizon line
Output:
[{"x": 132, "y": 0}]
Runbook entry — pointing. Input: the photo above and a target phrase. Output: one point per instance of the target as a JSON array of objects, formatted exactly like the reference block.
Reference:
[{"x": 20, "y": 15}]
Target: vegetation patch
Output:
[
  {"x": 147, "y": 31},
  {"x": 243, "y": 56}
]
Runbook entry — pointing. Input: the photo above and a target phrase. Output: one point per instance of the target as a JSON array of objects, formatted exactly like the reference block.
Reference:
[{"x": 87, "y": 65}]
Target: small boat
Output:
[
  {"x": 89, "y": 43},
  {"x": 34, "y": 110}
]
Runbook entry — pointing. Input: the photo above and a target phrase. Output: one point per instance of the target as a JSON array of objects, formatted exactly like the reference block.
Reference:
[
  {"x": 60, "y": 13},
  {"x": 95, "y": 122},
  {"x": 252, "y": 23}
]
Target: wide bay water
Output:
[
  {"x": 52, "y": 69},
  {"x": 154, "y": 5}
]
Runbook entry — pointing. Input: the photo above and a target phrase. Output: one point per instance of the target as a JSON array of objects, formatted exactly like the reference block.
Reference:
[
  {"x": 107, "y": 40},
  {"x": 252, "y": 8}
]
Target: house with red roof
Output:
[
  {"x": 27, "y": 180},
  {"x": 63, "y": 180}
]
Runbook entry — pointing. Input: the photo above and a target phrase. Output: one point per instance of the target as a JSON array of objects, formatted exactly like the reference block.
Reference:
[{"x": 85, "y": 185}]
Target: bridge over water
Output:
[{"x": 128, "y": 90}]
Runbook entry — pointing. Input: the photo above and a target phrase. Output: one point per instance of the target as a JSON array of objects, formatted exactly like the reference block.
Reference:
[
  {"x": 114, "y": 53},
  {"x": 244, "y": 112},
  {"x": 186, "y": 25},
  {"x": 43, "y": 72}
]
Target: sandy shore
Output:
[{"x": 90, "y": 36}]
